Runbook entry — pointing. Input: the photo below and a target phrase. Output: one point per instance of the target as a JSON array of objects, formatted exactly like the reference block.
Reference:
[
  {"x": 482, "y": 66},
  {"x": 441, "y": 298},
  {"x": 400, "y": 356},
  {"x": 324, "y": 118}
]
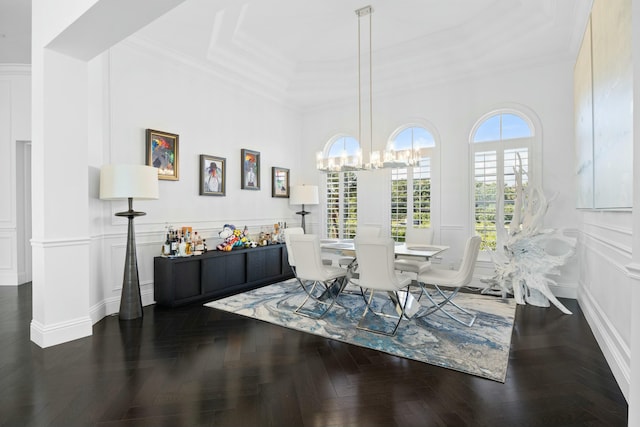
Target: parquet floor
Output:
[{"x": 196, "y": 366}]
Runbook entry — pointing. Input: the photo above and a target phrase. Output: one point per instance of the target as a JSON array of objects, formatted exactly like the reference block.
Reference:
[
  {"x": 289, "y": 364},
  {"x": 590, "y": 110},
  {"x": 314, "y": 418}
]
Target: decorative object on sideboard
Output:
[
  {"x": 117, "y": 182},
  {"x": 213, "y": 173},
  {"x": 304, "y": 195},
  {"x": 250, "y": 167},
  {"x": 233, "y": 237},
  {"x": 530, "y": 253},
  {"x": 279, "y": 182},
  {"x": 162, "y": 153}
]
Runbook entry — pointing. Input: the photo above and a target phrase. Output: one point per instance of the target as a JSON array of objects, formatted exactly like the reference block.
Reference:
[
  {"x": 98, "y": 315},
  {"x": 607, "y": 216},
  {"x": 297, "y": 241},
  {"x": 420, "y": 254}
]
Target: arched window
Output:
[
  {"x": 411, "y": 185},
  {"x": 496, "y": 143},
  {"x": 342, "y": 189}
]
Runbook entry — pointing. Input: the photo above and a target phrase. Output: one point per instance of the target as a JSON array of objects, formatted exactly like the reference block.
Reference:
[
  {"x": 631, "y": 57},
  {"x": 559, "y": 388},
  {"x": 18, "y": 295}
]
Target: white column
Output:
[{"x": 60, "y": 199}]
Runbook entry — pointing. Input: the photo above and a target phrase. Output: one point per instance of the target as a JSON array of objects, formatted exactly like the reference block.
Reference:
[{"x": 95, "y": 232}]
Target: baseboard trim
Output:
[
  {"x": 616, "y": 352},
  {"x": 62, "y": 332},
  {"x": 110, "y": 306}
]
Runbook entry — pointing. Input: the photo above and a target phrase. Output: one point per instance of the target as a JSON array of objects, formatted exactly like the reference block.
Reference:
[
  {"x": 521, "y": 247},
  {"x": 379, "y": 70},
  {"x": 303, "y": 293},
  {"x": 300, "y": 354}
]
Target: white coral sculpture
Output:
[{"x": 523, "y": 264}]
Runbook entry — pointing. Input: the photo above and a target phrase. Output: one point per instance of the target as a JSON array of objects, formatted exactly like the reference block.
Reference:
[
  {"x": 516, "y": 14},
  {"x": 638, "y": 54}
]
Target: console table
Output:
[{"x": 214, "y": 274}]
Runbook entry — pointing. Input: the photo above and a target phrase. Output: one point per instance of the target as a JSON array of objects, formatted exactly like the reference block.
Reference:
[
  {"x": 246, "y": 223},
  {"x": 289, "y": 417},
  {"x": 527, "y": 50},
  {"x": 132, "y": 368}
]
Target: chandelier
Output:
[
  {"x": 353, "y": 161},
  {"x": 388, "y": 158}
]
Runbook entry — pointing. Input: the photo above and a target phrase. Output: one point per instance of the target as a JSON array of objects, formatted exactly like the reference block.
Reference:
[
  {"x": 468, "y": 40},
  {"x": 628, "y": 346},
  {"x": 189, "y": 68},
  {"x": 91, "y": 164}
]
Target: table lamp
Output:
[
  {"x": 304, "y": 195},
  {"x": 129, "y": 182}
]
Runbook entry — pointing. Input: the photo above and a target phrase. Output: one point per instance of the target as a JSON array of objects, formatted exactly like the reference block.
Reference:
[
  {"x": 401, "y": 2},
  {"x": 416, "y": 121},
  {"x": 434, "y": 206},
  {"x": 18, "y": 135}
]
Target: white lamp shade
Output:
[
  {"x": 128, "y": 181},
  {"x": 304, "y": 195}
]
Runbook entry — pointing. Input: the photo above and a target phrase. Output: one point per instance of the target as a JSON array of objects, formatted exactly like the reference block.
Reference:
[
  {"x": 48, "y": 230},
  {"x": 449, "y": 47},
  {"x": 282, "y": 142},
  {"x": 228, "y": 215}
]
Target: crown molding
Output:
[{"x": 15, "y": 69}]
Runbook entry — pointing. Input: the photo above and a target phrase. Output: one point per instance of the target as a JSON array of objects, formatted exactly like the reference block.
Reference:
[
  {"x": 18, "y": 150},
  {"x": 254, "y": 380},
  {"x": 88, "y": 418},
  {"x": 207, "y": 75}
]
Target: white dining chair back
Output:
[
  {"x": 362, "y": 230},
  {"x": 288, "y": 232},
  {"x": 418, "y": 236},
  {"x": 368, "y": 230},
  {"x": 375, "y": 257},
  {"x": 375, "y": 263},
  {"x": 307, "y": 257},
  {"x": 465, "y": 271},
  {"x": 447, "y": 284}
]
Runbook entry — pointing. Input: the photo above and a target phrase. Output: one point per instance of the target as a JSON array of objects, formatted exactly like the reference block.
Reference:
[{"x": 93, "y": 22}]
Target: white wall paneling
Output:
[
  {"x": 8, "y": 272},
  {"x": 605, "y": 286},
  {"x": 14, "y": 126}
]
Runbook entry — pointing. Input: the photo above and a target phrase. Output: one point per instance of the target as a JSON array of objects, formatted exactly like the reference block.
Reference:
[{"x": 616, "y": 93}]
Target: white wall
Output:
[
  {"x": 135, "y": 88},
  {"x": 15, "y": 128},
  {"x": 452, "y": 110}
]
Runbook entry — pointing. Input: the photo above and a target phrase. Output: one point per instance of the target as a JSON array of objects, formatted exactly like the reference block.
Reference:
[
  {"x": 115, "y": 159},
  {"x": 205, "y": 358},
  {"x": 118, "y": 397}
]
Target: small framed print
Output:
[
  {"x": 213, "y": 172},
  {"x": 162, "y": 153},
  {"x": 279, "y": 182},
  {"x": 250, "y": 179}
]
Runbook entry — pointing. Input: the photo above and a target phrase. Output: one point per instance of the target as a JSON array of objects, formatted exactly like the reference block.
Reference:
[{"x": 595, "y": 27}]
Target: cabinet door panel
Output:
[
  {"x": 187, "y": 280},
  {"x": 256, "y": 262},
  {"x": 214, "y": 274},
  {"x": 273, "y": 262},
  {"x": 236, "y": 268}
]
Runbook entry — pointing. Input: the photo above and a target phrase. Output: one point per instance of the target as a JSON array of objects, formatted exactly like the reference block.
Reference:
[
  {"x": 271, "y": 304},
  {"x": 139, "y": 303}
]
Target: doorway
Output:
[{"x": 23, "y": 210}]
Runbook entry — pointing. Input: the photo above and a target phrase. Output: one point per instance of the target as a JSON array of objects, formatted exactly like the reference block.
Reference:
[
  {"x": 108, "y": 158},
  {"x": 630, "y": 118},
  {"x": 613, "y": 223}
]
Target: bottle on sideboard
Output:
[
  {"x": 174, "y": 246},
  {"x": 166, "y": 248}
]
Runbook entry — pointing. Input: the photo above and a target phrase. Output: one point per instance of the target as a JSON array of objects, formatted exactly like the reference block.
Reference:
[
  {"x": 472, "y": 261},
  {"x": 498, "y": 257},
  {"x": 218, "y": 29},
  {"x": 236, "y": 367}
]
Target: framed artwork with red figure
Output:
[
  {"x": 162, "y": 153},
  {"x": 250, "y": 179}
]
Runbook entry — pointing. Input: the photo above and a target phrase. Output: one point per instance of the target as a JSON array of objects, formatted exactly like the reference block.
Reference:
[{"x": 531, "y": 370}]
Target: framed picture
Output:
[
  {"x": 279, "y": 182},
  {"x": 250, "y": 179},
  {"x": 213, "y": 171},
  {"x": 162, "y": 153}
]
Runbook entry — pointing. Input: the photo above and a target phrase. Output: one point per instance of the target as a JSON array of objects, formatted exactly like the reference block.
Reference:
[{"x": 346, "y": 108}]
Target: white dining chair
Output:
[
  {"x": 362, "y": 230},
  {"x": 375, "y": 264},
  {"x": 321, "y": 283},
  {"x": 288, "y": 232},
  {"x": 447, "y": 284},
  {"x": 415, "y": 237}
]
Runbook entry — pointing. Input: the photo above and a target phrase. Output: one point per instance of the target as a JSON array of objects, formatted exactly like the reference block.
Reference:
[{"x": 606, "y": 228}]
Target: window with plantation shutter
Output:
[
  {"x": 496, "y": 145},
  {"x": 411, "y": 185},
  {"x": 342, "y": 192}
]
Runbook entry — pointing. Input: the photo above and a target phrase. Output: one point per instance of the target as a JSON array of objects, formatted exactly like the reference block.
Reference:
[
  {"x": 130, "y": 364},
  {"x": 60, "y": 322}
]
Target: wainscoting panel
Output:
[
  {"x": 8, "y": 258},
  {"x": 605, "y": 292}
]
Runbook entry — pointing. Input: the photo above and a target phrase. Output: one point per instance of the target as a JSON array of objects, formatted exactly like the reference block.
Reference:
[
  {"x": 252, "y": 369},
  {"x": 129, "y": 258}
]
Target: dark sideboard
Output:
[{"x": 214, "y": 274}]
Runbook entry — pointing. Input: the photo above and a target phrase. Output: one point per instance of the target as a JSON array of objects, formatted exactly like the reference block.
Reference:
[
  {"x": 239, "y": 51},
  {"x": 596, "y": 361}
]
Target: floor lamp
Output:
[
  {"x": 118, "y": 182},
  {"x": 304, "y": 195}
]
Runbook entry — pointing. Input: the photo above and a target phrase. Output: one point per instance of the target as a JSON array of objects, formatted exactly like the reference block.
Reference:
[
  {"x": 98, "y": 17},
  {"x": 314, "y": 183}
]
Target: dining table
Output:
[{"x": 346, "y": 247}]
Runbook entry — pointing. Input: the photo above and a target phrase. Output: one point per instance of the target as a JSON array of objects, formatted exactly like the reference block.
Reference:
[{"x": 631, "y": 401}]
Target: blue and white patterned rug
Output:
[{"x": 481, "y": 350}]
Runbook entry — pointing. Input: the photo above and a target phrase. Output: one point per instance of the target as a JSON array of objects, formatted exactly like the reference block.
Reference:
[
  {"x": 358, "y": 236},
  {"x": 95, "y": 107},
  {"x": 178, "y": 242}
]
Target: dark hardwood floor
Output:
[{"x": 196, "y": 366}]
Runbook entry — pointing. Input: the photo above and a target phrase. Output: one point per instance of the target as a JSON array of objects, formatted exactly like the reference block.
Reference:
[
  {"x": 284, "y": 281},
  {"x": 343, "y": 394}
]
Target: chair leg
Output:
[
  {"x": 310, "y": 295},
  {"x": 368, "y": 308},
  {"x": 447, "y": 298}
]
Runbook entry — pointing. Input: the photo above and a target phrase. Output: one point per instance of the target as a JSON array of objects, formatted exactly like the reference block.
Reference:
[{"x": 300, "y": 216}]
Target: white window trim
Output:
[{"x": 534, "y": 146}]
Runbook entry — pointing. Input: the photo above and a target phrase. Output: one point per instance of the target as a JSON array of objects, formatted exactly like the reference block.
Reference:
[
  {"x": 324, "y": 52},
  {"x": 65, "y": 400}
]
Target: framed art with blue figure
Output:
[
  {"x": 162, "y": 153},
  {"x": 212, "y": 175},
  {"x": 250, "y": 179}
]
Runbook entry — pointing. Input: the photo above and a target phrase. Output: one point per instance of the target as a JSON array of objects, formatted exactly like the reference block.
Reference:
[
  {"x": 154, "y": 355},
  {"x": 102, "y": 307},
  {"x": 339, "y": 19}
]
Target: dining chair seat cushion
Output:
[
  {"x": 441, "y": 277},
  {"x": 331, "y": 273},
  {"x": 412, "y": 266}
]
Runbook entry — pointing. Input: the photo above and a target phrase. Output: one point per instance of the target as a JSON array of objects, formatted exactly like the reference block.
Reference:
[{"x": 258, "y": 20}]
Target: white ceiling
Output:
[
  {"x": 304, "y": 52},
  {"x": 15, "y": 31}
]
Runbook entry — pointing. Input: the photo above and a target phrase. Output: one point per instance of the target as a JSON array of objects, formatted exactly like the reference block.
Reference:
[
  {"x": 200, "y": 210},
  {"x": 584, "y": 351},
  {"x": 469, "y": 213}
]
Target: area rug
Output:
[{"x": 481, "y": 350}]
